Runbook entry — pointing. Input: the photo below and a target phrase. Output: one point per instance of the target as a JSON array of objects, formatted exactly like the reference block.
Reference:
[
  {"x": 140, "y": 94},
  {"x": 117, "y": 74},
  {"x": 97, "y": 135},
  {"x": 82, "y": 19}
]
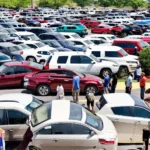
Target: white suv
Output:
[
  {"x": 127, "y": 63},
  {"x": 81, "y": 62}
]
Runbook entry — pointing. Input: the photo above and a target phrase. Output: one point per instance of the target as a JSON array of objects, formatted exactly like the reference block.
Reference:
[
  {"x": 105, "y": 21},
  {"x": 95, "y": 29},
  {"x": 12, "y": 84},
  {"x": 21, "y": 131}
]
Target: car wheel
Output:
[
  {"x": 102, "y": 73},
  {"x": 91, "y": 88},
  {"x": 43, "y": 90},
  {"x": 31, "y": 59}
]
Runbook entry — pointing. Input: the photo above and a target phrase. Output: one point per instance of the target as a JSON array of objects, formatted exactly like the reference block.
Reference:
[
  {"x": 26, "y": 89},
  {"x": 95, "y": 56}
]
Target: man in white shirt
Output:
[
  {"x": 128, "y": 83},
  {"x": 138, "y": 73},
  {"x": 60, "y": 92}
]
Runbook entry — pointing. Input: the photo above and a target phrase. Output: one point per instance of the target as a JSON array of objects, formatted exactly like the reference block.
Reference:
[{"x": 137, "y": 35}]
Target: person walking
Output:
[
  {"x": 113, "y": 83},
  {"x": 138, "y": 73},
  {"x": 90, "y": 100},
  {"x": 60, "y": 91},
  {"x": 128, "y": 83},
  {"x": 142, "y": 85},
  {"x": 106, "y": 83},
  {"x": 76, "y": 88}
]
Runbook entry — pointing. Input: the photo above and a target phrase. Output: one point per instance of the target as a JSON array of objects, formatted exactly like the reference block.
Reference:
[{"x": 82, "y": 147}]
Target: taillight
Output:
[
  {"x": 46, "y": 67},
  {"x": 21, "y": 53},
  {"x": 107, "y": 141},
  {"x": 38, "y": 55}
]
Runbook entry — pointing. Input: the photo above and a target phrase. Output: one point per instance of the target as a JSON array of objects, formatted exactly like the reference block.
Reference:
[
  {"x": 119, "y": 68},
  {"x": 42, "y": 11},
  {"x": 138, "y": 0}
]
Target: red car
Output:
[
  {"x": 102, "y": 29},
  {"x": 129, "y": 44},
  {"x": 40, "y": 20},
  {"x": 85, "y": 20},
  {"x": 12, "y": 73},
  {"x": 46, "y": 81},
  {"x": 91, "y": 24}
]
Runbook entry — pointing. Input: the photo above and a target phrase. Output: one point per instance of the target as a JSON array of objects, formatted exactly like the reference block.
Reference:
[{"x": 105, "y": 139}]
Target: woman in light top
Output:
[{"x": 60, "y": 91}]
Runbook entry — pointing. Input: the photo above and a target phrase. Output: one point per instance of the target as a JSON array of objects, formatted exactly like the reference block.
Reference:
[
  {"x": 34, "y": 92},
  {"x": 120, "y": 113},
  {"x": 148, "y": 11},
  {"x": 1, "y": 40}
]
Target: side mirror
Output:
[
  {"x": 92, "y": 62},
  {"x": 92, "y": 133}
]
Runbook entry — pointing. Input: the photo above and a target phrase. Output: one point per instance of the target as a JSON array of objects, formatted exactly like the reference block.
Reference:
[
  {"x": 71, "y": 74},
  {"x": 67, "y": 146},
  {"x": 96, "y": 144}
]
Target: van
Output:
[{"x": 72, "y": 28}]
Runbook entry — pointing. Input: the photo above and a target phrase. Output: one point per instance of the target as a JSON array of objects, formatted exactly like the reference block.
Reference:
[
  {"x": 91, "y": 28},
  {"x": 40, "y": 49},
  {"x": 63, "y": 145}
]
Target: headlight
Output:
[
  {"x": 101, "y": 82},
  {"x": 131, "y": 62},
  {"x": 115, "y": 65}
]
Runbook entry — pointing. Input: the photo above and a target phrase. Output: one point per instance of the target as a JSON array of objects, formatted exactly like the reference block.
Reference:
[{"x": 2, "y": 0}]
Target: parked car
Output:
[
  {"x": 91, "y": 24},
  {"x": 129, "y": 44},
  {"x": 45, "y": 82},
  {"x": 102, "y": 29},
  {"x": 72, "y": 28},
  {"x": 18, "y": 107},
  {"x": 77, "y": 125},
  {"x": 130, "y": 116},
  {"x": 12, "y": 73},
  {"x": 29, "y": 22},
  {"x": 4, "y": 58},
  {"x": 81, "y": 62},
  {"x": 5, "y": 38},
  {"x": 70, "y": 35}
]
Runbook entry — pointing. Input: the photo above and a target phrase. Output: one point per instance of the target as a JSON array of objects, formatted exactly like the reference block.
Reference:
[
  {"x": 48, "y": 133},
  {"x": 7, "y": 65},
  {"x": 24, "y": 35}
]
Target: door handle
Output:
[
  {"x": 66, "y": 80},
  {"x": 55, "y": 140}
]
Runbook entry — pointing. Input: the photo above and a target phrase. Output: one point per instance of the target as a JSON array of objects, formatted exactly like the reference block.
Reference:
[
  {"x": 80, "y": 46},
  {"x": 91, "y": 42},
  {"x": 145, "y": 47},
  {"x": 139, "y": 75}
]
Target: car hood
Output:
[
  {"x": 132, "y": 57},
  {"x": 89, "y": 77}
]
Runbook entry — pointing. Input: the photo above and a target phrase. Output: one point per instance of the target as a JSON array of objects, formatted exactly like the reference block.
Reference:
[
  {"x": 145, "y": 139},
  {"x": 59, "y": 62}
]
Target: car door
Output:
[
  {"x": 55, "y": 136},
  {"x": 8, "y": 77},
  {"x": 16, "y": 127},
  {"x": 82, "y": 138},
  {"x": 141, "y": 119},
  {"x": 124, "y": 123}
]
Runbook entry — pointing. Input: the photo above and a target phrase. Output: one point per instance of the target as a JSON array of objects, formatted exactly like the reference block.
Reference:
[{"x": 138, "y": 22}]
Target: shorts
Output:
[{"x": 90, "y": 103}]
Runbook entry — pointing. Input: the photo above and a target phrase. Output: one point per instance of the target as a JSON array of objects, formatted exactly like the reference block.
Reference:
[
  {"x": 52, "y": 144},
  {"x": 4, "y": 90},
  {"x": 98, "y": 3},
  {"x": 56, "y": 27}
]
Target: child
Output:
[{"x": 60, "y": 91}]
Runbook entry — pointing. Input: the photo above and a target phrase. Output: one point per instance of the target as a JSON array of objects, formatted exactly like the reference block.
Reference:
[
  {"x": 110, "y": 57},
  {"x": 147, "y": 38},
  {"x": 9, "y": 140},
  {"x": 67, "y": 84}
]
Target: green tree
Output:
[
  {"x": 144, "y": 57},
  {"x": 84, "y": 3},
  {"x": 137, "y": 3},
  {"x": 105, "y": 3}
]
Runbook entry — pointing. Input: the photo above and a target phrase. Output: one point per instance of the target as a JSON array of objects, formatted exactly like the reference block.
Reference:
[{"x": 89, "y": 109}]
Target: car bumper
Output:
[{"x": 29, "y": 86}]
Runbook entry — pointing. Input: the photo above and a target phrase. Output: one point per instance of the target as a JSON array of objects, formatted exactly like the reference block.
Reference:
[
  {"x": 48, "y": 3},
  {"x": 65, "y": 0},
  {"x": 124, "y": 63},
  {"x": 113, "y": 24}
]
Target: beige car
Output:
[
  {"x": 64, "y": 125},
  {"x": 15, "y": 109}
]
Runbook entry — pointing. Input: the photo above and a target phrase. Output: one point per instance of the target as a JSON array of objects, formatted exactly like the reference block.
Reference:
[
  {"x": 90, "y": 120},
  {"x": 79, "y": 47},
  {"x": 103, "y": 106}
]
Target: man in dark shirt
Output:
[{"x": 113, "y": 83}]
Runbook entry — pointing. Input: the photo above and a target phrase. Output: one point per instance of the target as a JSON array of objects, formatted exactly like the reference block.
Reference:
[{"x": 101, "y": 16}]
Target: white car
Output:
[
  {"x": 133, "y": 37},
  {"x": 127, "y": 63},
  {"x": 146, "y": 34},
  {"x": 18, "y": 108},
  {"x": 27, "y": 36},
  {"x": 70, "y": 35},
  {"x": 81, "y": 62},
  {"x": 108, "y": 37},
  {"x": 130, "y": 116},
  {"x": 61, "y": 124}
]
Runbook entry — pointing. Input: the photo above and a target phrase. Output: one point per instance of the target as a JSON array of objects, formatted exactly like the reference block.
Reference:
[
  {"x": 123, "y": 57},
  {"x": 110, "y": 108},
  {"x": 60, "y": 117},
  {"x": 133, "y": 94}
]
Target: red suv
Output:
[
  {"x": 91, "y": 24},
  {"x": 46, "y": 81},
  {"x": 102, "y": 29},
  {"x": 129, "y": 44},
  {"x": 12, "y": 73}
]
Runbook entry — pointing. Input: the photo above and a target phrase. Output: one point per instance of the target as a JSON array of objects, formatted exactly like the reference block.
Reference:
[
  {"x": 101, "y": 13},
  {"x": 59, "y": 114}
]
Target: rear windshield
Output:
[
  {"x": 2, "y": 68},
  {"x": 4, "y": 57},
  {"x": 40, "y": 44},
  {"x": 33, "y": 64},
  {"x": 76, "y": 36},
  {"x": 4, "y": 36}
]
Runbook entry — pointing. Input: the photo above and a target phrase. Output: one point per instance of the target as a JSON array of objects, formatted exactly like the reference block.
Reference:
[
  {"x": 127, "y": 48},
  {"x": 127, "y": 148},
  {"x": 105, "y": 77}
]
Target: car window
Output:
[
  {"x": 60, "y": 128},
  {"x": 123, "y": 45},
  {"x": 111, "y": 54},
  {"x": 78, "y": 43},
  {"x": 141, "y": 112},
  {"x": 123, "y": 111},
  {"x": 75, "y": 60},
  {"x": 19, "y": 70},
  {"x": 96, "y": 53},
  {"x": 80, "y": 129},
  {"x": 68, "y": 73},
  {"x": 16, "y": 117},
  {"x": 68, "y": 37},
  {"x": 2, "y": 117},
  {"x": 85, "y": 60},
  {"x": 10, "y": 71},
  {"x": 43, "y": 52},
  {"x": 62, "y": 59},
  {"x": 32, "y": 46}
]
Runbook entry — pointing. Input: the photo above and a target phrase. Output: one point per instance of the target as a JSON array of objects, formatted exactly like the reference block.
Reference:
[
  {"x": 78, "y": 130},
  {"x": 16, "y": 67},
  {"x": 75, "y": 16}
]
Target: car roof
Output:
[
  {"x": 23, "y": 33},
  {"x": 7, "y": 44},
  {"x": 17, "y": 63},
  {"x": 32, "y": 42},
  {"x": 67, "y": 54},
  {"x": 66, "y": 33},
  {"x": 101, "y": 35},
  {"x": 21, "y": 98},
  {"x": 108, "y": 48},
  {"x": 128, "y": 40}
]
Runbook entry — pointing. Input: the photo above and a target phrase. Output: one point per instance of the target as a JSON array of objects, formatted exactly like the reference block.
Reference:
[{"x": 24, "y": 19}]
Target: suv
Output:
[
  {"x": 129, "y": 44},
  {"x": 81, "y": 62},
  {"x": 127, "y": 63}
]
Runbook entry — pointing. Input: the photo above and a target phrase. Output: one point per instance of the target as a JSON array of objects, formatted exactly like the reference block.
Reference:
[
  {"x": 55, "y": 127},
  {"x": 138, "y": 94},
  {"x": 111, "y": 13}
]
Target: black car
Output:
[{"x": 135, "y": 29}]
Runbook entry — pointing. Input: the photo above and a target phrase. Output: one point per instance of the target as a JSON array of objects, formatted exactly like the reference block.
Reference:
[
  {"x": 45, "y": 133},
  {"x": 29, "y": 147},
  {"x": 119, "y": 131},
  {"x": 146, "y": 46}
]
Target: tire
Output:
[
  {"x": 31, "y": 58},
  {"x": 91, "y": 87},
  {"x": 43, "y": 90},
  {"x": 104, "y": 70}
]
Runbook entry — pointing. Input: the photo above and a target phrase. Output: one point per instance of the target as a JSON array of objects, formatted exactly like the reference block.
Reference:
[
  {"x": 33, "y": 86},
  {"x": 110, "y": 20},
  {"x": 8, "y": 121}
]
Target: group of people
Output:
[{"x": 110, "y": 84}]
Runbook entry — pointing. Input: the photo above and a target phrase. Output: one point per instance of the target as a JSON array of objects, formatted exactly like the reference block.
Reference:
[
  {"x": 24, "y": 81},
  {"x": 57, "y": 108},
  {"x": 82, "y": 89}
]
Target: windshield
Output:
[
  {"x": 123, "y": 52},
  {"x": 76, "y": 36},
  {"x": 69, "y": 43},
  {"x": 40, "y": 44},
  {"x": 4, "y": 36},
  {"x": 32, "y": 37},
  {"x": 143, "y": 44},
  {"x": 4, "y": 57},
  {"x": 93, "y": 120},
  {"x": 36, "y": 65},
  {"x": 39, "y": 115},
  {"x": 34, "y": 104},
  {"x": 94, "y": 58},
  {"x": 88, "y": 42},
  {"x": 18, "y": 47},
  {"x": 13, "y": 49},
  {"x": 2, "y": 68},
  {"x": 24, "y": 46},
  {"x": 111, "y": 37}
]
